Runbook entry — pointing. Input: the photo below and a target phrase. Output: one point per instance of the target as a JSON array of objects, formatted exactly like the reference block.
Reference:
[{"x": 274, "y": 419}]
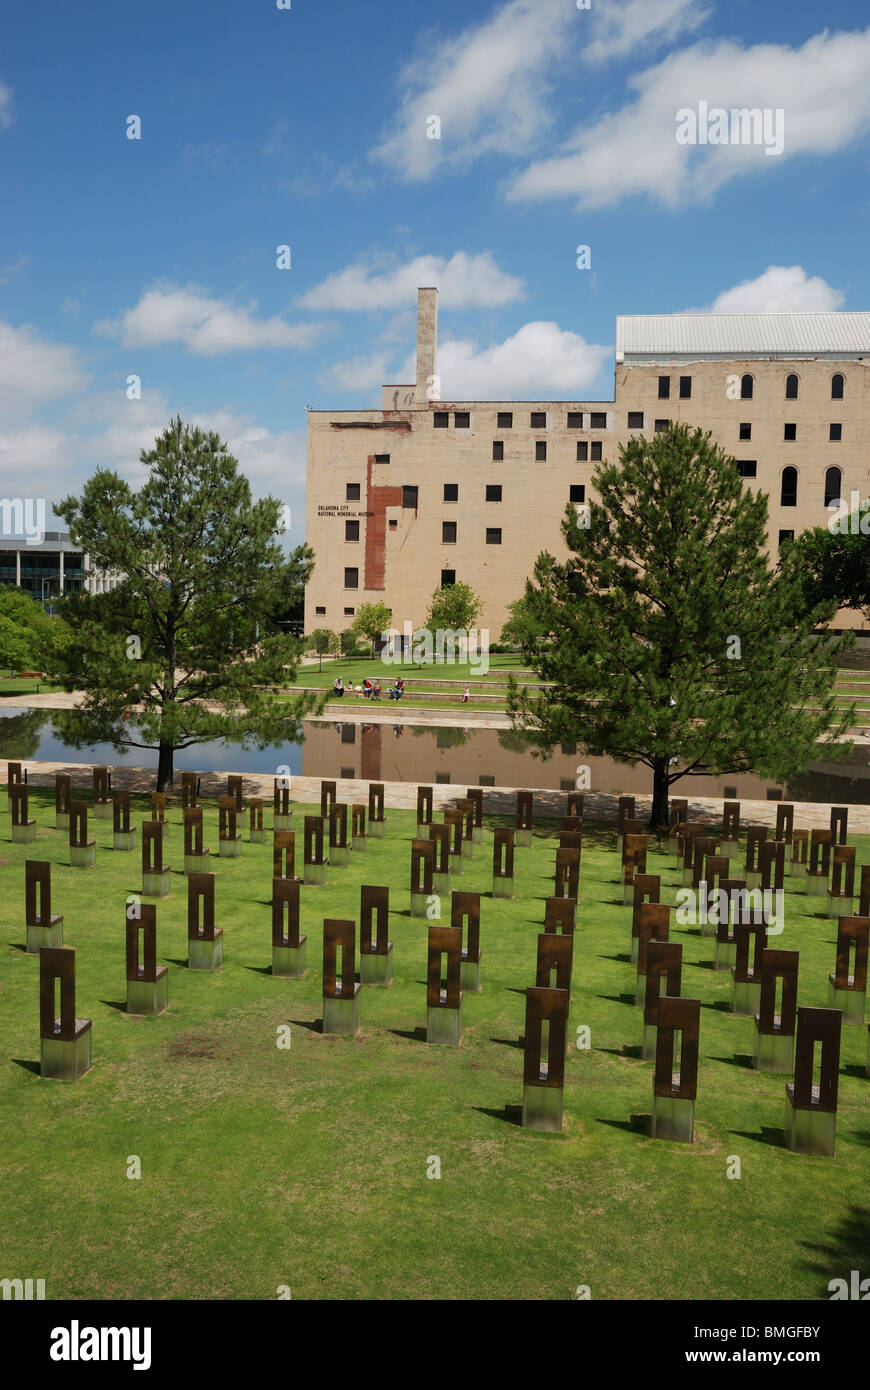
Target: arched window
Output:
[
  {"x": 788, "y": 494},
  {"x": 837, "y": 383},
  {"x": 746, "y": 388},
  {"x": 833, "y": 485},
  {"x": 791, "y": 387}
]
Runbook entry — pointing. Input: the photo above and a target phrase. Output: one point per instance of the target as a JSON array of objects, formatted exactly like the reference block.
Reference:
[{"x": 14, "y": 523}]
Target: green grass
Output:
[
  {"x": 387, "y": 672},
  {"x": 27, "y": 687},
  {"x": 307, "y": 1166}
]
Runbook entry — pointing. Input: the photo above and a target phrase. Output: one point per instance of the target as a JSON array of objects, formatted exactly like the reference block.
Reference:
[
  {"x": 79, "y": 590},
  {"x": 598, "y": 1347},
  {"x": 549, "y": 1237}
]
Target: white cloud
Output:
[
  {"x": 779, "y": 290},
  {"x": 539, "y": 361},
  {"x": 617, "y": 29},
  {"x": 206, "y": 326},
  {"x": 823, "y": 89},
  {"x": 486, "y": 84},
  {"x": 33, "y": 371},
  {"x": 465, "y": 281},
  {"x": 5, "y": 106}
]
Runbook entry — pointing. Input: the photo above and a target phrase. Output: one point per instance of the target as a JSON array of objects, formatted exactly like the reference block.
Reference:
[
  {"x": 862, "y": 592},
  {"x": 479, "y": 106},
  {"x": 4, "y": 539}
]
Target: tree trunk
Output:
[
  {"x": 659, "y": 814},
  {"x": 165, "y": 772}
]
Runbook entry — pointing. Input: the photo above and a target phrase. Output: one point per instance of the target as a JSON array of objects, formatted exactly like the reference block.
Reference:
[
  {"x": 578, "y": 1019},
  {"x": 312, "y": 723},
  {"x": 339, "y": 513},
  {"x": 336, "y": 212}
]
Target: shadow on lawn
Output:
[
  {"x": 845, "y": 1249},
  {"x": 775, "y": 1138},
  {"x": 509, "y": 1114},
  {"x": 35, "y": 1067}
]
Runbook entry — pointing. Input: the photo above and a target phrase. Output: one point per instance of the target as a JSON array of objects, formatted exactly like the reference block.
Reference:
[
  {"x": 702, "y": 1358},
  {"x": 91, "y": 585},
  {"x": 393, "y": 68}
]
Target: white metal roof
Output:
[{"x": 741, "y": 335}]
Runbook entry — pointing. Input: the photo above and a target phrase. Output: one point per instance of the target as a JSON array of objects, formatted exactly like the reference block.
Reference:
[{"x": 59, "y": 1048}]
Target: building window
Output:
[
  {"x": 448, "y": 577},
  {"x": 746, "y": 385},
  {"x": 486, "y": 780},
  {"x": 566, "y": 784},
  {"x": 382, "y": 458},
  {"x": 664, "y": 388},
  {"x": 685, "y": 388},
  {"x": 747, "y": 468},
  {"x": 635, "y": 419},
  {"x": 661, "y": 426},
  {"x": 493, "y": 492},
  {"x": 394, "y": 525},
  {"x": 409, "y": 497},
  {"x": 448, "y": 532},
  {"x": 575, "y": 419},
  {"x": 441, "y": 419},
  {"x": 582, "y": 451},
  {"x": 833, "y": 485},
  {"x": 451, "y": 492},
  {"x": 746, "y": 431},
  {"x": 835, "y": 433},
  {"x": 538, "y": 420},
  {"x": 351, "y": 579},
  {"x": 577, "y": 492},
  {"x": 570, "y": 750},
  {"x": 837, "y": 384},
  {"x": 352, "y": 492},
  {"x": 320, "y": 609},
  {"x": 348, "y": 733},
  {"x": 789, "y": 433},
  {"x": 791, "y": 387},
  {"x": 596, "y": 452},
  {"x": 493, "y": 535},
  {"x": 785, "y": 537},
  {"x": 351, "y": 530},
  {"x": 347, "y": 773},
  {"x": 441, "y": 777},
  {"x": 497, "y": 450},
  {"x": 541, "y": 451},
  {"x": 349, "y": 612},
  {"x": 505, "y": 419},
  {"x": 462, "y": 420},
  {"x": 788, "y": 491},
  {"x": 598, "y": 420}
]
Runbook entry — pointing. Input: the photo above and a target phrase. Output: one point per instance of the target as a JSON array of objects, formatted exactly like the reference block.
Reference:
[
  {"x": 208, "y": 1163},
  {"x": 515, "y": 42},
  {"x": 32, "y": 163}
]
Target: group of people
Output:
[{"x": 369, "y": 690}]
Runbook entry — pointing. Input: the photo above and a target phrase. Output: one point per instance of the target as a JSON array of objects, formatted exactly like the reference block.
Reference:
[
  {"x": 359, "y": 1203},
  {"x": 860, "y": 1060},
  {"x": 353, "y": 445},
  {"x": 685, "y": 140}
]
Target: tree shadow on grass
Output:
[
  {"x": 774, "y": 1138},
  {"x": 35, "y": 1067},
  {"x": 627, "y": 1050},
  {"x": 618, "y": 998},
  {"x": 635, "y": 1124},
  {"x": 702, "y": 964},
  {"x": 509, "y": 1114},
  {"x": 622, "y": 959},
  {"x": 855, "y": 1069},
  {"x": 845, "y": 1249}
]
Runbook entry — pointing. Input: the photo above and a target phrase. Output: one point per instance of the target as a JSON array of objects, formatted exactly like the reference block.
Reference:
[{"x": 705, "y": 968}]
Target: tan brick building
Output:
[{"x": 425, "y": 491}]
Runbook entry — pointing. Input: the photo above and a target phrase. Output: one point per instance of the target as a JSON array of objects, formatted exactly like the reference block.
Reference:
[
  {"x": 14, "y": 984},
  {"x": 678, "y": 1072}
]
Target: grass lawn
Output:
[
  {"x": 387, "y": 672},
  {"x": 18, "y": 686},
  {"x": 307, "y": 1166}
]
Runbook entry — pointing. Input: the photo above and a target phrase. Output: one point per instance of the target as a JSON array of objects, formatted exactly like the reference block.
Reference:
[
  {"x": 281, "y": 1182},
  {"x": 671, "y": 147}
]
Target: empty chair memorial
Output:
[
  {"x": 422, "y": 875},
  {"x": 678, "y": 814},
  {"x": 23, "y": 825},
  {"x": 634, "y": 848},
  {"x": 475, "y": 796},
  {"x": 524, "y": 819},
  {"x": 675, "y": 1083},
  {"x": 654, "y": 924},
  {"x": 101, "y": 796},
  {"x": 156, "y": 881},
  {"x": 732, "y": 897},
  {"x": 282, "y": 815},
  {"x": 800, "y": 845},
  {"x": 567, "y": 880},
  {"x": 454, "y": 822},
  {"x": 339, "y": 847},
  {"x": 755, "y": 837},
  {"x": 544, "y": 1044},
  {"x": 314, "y": 859},
  {"x": 82, "y": 851},
  {"x": 554, "y": 961},
  {"x": 43, "y": 927},
  {"x": 839, "y": 824},
  {"x": 716, "y": 868},
  {"x": 647, "y": 889},
  {"x": 847, "y": 986},
  {"x": 158, "y": 807},
  {"x": 205, "y": 941},
  {"x": 195, "y": 857},
  {"x": 14, "y": 776},
  {"x": 229, "y": 836},
  {"x": 424, "y": 811},
  {"x": 65, "y": 1041},
  {"x": 624, "y": 811},
  {"x": 189, "y": 790},
  {"x": 784, "y": 824},
  {"x": 341, "y": 991},
  {"x": 375, "y": 948},
  {"x": 377, "y": 815},
  {"x": 664, "y": 966},
  {"x": 358, "y": 838},
  {"x": 574, "y": 805},
  {"x": 328, "y": 798},
  {"x": 819, "y": 868},
  {"x": 503, "y": 863},
  {"x": 731, "y": 829},
  {"x": 147, "y": 982},
  {"x": 465, "y": 914},
  {"x": 810, "y": 1106},
  {"x": 440, "y": 837},
  {"x": 465, "y": 807},
  {"x": 560, "y": 915},
  {"x": 62, "y": 798},
  {"x": 256, "y": 827},
  {"x": 777, "y": 1011},
  {"x": 750, "y": 940},
  {"x": 284, "y": 854},
  {"x": 443, "y": 988},
  {"x": 234, "y": 789},
  {"x": 123, "y": 833},
  {"x": 288, "y": 947},
  {"x": 841, "y": 892},
  {"x": 772, "y": 861}
]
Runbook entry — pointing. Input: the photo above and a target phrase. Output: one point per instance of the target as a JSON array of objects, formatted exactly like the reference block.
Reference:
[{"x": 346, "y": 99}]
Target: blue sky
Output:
[{"x": 307, "y": 127}]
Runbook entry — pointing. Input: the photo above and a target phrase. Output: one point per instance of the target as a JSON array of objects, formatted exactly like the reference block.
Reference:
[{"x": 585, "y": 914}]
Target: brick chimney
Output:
[{"x": 427, "y": 389}]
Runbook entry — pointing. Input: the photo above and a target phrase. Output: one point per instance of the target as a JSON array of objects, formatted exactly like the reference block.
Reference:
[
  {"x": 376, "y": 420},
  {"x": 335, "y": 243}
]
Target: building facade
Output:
[
  {"x": 50, "y": 567},
  {"x": 425, "y": 492}
]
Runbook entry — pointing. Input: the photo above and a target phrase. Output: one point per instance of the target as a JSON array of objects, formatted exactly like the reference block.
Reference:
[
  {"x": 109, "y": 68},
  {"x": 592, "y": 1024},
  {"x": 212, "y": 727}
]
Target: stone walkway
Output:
[{"x": 496, "y": 800}]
